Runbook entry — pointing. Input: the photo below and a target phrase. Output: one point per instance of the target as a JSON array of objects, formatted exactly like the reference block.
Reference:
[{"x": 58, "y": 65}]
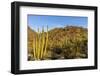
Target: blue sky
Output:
[{"x": 39, "y": 21}]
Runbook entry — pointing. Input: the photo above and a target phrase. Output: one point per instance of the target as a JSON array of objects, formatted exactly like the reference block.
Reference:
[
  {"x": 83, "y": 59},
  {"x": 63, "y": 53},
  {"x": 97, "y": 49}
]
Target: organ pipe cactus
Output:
[{"x": 40, "y": 44}]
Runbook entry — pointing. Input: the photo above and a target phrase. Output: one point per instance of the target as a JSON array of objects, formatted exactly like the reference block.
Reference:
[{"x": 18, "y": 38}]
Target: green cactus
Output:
[
  {"x": 46, "y": 43},
  {"x": 40, "y": 44}
]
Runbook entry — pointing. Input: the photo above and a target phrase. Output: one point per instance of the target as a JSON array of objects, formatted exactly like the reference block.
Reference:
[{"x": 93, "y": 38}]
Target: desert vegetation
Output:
[{"x": 69, "y": 42}]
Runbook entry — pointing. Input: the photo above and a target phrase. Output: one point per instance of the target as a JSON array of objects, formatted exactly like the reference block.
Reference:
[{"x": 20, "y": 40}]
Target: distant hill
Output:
[{"x": 71, "y": 32}]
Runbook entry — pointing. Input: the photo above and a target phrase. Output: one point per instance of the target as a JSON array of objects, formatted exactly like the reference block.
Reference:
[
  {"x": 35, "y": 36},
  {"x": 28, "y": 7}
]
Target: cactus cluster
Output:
[{"x": 40, "y": 44}]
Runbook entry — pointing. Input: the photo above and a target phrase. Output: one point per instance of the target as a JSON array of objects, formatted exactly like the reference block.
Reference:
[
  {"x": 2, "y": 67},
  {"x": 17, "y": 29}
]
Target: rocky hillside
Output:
[
  {"x": 70, "y": 32},
  {"x": 31, "y": 36},
  {"x": 64, "y": 43}
]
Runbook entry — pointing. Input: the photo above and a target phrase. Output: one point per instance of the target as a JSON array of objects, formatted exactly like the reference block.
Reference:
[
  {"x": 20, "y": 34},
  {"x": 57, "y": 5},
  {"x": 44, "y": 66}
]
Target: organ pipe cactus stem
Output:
[
  {"x": 43, "y": 39},
  {"x": 39, "y": 50},
  {"x": 36, "y": 46},
  {"x": 46, "y": 43},
  {"x": 34, "y": 49}
]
